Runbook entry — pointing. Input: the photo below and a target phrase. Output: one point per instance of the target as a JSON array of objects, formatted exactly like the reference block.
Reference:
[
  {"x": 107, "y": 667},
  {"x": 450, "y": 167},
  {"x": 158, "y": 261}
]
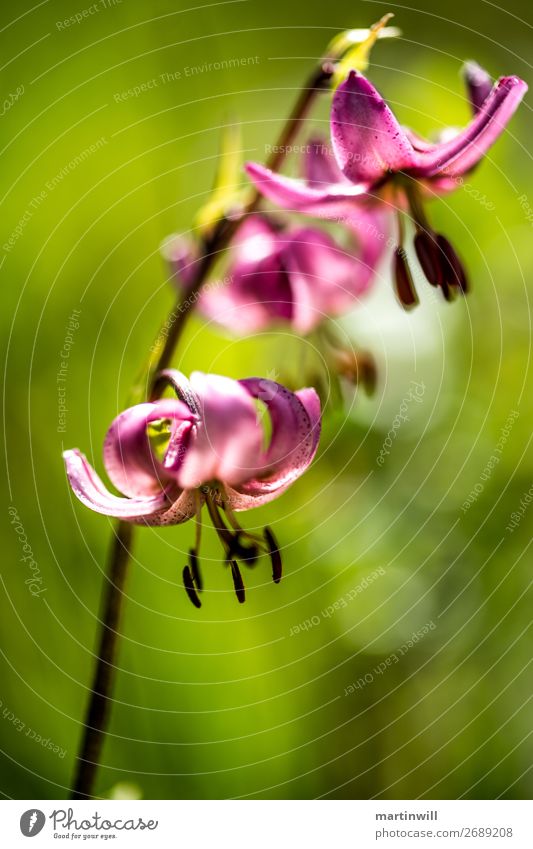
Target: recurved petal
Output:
[
  {"x": 254, "y": 494},
  {"x": 295, "y": 421},
  {"x": 88, "y": 487},
  {"x": 308, "y": 397},
  {"x": 372, "y": 227},
  {"x": 181, "y": 386},
  {"x": 228, "y": 440},
  {"x": 328, "y": 201},
  {"x": 257, "y": 292},
  {"x": 255, "y": 241},
  {"x": 250, "y": 302},
  {"x": 478, "y": 84},
  {"x": 419, "y": 142},
  {"x": 183, "y": 507},
  {"x": 128, "y": 456},
  {"x": 320, "y": 165},
  {"x": 367, "y": 139},
  {"x": 460, "y": 154},
  {"x": 325, "y": 279}
]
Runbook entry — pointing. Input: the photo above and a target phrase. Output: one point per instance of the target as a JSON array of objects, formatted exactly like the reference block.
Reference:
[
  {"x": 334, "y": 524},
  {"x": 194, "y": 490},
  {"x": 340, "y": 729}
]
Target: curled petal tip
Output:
[
  {"x": 510, "y": 82},
  {"x": 90, "y": 490},
  {"x": 295, "y": 422},
  {"x": 474, "y": 73},
  {"x": 461, "y": 153},
  {"x": 478, "y": 83}
]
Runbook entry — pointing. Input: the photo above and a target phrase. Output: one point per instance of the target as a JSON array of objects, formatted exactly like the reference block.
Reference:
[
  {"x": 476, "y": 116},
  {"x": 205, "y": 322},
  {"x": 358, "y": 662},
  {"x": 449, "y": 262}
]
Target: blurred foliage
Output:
[{"x": 224, "y": 702}]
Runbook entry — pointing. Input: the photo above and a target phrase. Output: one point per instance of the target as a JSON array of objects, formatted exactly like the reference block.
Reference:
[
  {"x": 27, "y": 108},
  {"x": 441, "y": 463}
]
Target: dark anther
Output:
[
  {"x": 404, "y": 282},
  {"x": 369, "y": 375},
  {"x": 429, "y": 256},
  {"x": 195, "y": 569},
  {"x": 358, "y": 368},
  {"x": 247, "y": 553},
  {"x": 275, "y": 555},
  {"x": 237, "y": 581},
  {"x": 452, "y": 266},
  {"x": 189, "y": 587}
]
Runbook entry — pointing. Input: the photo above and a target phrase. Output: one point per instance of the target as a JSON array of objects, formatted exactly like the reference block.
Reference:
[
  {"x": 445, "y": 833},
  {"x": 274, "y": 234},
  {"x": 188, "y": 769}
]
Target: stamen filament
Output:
[
  {"x": 214, "y": 513},
  {"x": 416, "y": 208},
  {"x": 195, "y": 569},
  {"x": 198, "y": 535},
  {"x": 234, "y": 522},
  {"x": 231, "y": 540}
]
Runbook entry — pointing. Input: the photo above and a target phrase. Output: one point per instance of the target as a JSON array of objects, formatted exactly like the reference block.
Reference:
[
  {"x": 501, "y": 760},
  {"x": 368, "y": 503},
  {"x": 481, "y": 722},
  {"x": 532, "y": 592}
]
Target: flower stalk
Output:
[
  {"x": 95, "y": 724},
  {"x": 148, "y": 386}
]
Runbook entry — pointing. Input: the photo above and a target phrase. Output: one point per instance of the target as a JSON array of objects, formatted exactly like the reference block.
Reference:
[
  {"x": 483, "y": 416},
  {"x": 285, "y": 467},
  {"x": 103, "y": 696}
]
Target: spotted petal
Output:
[
  {"x": 367, "y": 139},
  {"x": 128, "y": 456},
  {"x": 295, "y": 421}
]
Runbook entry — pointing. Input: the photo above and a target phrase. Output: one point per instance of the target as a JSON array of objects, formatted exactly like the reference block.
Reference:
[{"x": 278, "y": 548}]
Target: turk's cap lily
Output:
[
  {"x": 296, "y": 276},
  {"x": 171, "y": 456},
  {"x": 370, "y": 146},
  {"x": 362, "y": 121},
  {"x": 211, "y": 433},
  {"x": 377, "y": 159}
]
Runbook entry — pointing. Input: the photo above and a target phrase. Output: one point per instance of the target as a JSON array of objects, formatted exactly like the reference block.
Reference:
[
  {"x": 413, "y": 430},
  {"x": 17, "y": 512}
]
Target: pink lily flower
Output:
[
  {"x": 376, "y": 158},
  {"x": 205, "y": 446},
  {"x": 297, "y": 276}
]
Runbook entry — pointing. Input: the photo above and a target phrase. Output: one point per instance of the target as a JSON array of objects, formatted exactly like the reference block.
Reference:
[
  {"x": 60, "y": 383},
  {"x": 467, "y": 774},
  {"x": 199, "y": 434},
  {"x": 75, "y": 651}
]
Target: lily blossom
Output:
[
  {"x": 377, "y": 159},
  {"x": 297, "y": 276},
  {"x": 171, "y": 456}
]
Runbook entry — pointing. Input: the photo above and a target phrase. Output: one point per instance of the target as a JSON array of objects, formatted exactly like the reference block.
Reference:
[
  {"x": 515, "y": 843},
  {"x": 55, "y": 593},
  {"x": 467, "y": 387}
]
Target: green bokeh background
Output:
[{"x": 224, "y": 702}]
